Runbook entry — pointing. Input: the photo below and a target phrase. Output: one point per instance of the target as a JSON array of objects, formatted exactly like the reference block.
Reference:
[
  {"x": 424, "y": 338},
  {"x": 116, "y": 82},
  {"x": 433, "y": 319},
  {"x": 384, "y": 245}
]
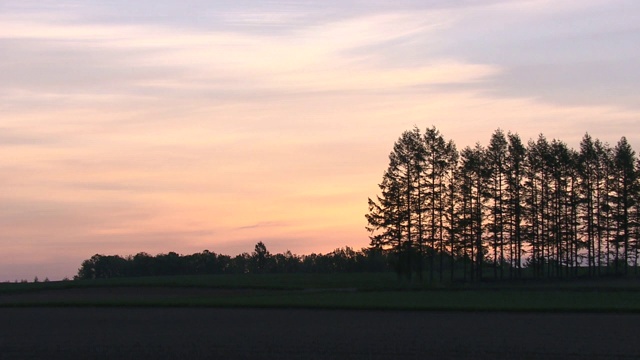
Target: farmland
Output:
[
  {"x": 360, "y": 291},
  {"x": 312, "y": 316},
  {"x": 202, "y": 333}
]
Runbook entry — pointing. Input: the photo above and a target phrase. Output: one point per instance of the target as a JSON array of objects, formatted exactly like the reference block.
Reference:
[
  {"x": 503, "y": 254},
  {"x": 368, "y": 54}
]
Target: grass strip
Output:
[{"x": 472, "y": 300}]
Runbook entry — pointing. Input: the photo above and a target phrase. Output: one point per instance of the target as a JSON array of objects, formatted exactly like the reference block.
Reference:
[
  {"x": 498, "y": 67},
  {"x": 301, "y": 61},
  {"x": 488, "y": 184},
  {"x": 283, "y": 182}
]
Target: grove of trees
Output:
[
  {"x": 206, "y": 262},
  {"x": 507, "y": 210}
]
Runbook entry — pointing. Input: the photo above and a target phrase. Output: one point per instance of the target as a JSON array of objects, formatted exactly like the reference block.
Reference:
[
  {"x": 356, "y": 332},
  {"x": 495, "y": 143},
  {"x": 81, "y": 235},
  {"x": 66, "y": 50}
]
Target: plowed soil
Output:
[{"x": 211, "y": 333}]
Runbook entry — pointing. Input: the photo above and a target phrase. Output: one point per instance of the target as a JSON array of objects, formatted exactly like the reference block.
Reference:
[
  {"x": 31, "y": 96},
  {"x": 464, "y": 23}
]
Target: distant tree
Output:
[
  {"x": 395, "y": 217},
  {"x": 472, "y": 198},
  {"x": 497, "y": 184},
  {"x": 624, "y": 188},
  {"x": 635, "y": 220},
  {"x": 451, "y": 217},
  {"x": 605, "y": 203},
  {"x": 588, "y": 181},
  {"x": 260, "y": 257},
  {"x": 515, "y": 166},
  {"x": 537, "y": 195},
  {"x": 564, "y": 192},
  {"x": 431, "y": 206},
  {"x": 143, "y": 264},
  {"x": 602, "y": 185}
]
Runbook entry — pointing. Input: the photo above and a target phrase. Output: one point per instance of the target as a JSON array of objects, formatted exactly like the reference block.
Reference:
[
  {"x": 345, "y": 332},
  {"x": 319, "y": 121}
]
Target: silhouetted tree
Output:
[
  {"x": 473, "y": 187},
  {"x": 496, "y": 165},
  {"x": 261, "y": 257},
  {"x": 392, "y": 218},
  {"x": 624, "y": 188},
  {"x": 588, "y": 181},
  {"x": 438, "y": 155},
  {"x": 516, "y": 157}
]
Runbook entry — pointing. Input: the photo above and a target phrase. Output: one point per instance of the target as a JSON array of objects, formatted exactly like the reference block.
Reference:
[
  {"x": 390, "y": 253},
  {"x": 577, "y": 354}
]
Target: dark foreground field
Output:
[
  {"x": 311, "y": 316},
  {"x": 215, "y": 333}
]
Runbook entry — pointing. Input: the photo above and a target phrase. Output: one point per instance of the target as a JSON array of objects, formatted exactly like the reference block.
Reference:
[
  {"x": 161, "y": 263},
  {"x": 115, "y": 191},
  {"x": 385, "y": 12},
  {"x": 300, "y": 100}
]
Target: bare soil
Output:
[{"x": 210, "y": 333}]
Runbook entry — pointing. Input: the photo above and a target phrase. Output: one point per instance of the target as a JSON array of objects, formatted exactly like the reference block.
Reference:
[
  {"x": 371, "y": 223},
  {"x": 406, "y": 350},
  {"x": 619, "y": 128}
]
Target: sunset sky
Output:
[{"x": 157, "y": 126}]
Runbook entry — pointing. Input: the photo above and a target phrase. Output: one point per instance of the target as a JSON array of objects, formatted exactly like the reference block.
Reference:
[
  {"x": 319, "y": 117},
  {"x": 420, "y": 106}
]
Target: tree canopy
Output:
[
  {"x": 261, "y": 261},
  {"x": 501, "y": 208}
]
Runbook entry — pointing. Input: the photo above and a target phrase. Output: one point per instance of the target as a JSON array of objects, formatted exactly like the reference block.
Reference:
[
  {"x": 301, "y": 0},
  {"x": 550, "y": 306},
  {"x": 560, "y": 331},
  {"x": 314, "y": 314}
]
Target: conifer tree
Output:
[
  {"x": 516, "y": 156},
  {"x": 624, "y": 186},
  {"x": 563, "y": 209},
  {"x": 536, "y": 200},
  {"x": 394, "y": 212},
  {"x": 588, "y": 175},
  {"x": 473, "y": 191},
  {"x": 496, "y": 164}
]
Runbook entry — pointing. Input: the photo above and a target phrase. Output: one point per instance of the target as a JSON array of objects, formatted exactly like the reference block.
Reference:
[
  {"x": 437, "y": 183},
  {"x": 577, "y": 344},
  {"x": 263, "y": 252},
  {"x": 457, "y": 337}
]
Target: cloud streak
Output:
[{"x": 314, "y": 58}]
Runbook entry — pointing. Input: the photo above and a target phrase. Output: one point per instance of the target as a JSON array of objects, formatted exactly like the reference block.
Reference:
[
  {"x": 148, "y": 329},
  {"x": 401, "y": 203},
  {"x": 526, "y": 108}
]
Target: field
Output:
[
  {"x": 330, "y": 291},
  {"x": 213, "y": 333},
  {"x": 350, "y": 316}
]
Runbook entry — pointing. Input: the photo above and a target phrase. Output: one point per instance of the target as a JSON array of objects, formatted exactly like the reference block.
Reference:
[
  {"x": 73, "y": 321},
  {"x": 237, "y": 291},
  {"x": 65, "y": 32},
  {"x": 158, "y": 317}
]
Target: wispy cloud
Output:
[
  {"x": 263, "y": 224},
  {"x": 314, "y": 58}
]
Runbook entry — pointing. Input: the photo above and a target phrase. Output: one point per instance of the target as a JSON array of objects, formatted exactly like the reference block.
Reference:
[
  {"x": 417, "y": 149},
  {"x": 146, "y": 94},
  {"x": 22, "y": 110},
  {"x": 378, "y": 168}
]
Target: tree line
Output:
[
  {"x": 509, "y": 209},
  {"x": 206, "y": 262}
]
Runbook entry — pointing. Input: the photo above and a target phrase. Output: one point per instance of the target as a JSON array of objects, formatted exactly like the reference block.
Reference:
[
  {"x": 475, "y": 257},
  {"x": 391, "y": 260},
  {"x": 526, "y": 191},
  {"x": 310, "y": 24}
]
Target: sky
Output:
[{"x": 181, "y": 126}]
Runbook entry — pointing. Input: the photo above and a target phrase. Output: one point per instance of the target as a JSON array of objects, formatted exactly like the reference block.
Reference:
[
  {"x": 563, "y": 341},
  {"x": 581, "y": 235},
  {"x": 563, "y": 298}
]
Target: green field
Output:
[
  {"x": 298, "y": 281},
  {"x": 330, "y": 291}
]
